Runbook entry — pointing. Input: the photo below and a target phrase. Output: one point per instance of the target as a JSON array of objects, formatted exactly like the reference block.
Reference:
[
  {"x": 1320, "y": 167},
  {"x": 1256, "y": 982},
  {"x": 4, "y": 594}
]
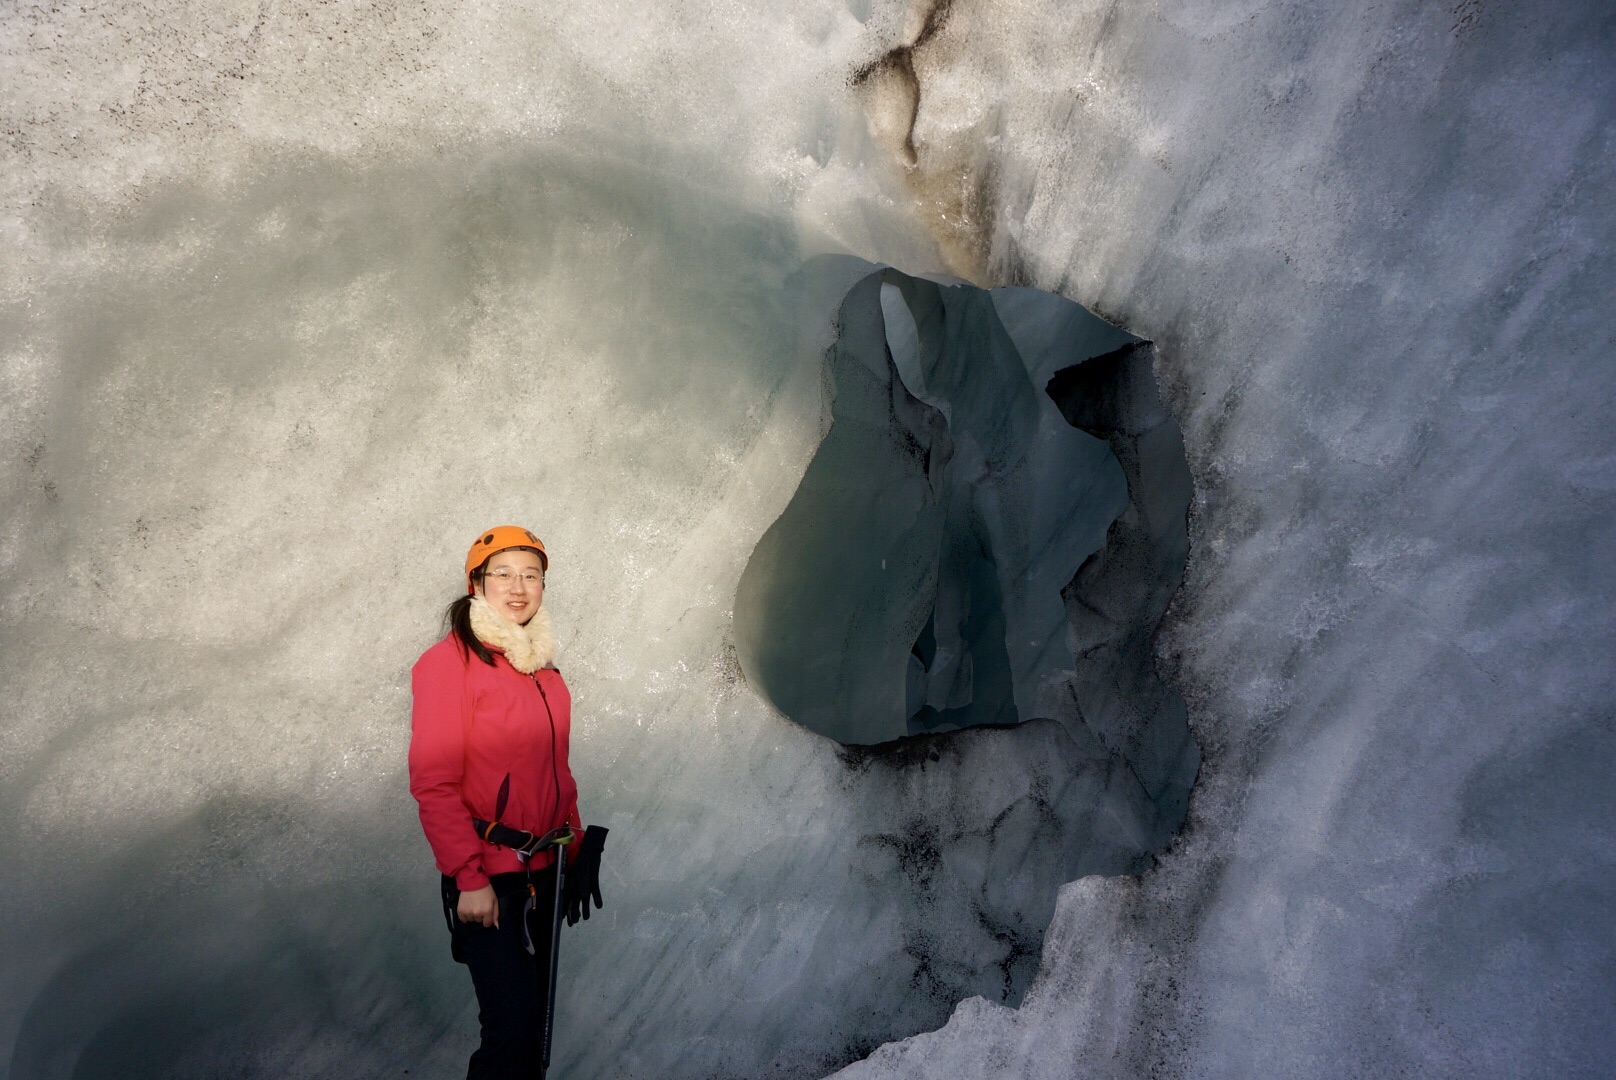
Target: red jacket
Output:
[{"x": 471, "y": 727}]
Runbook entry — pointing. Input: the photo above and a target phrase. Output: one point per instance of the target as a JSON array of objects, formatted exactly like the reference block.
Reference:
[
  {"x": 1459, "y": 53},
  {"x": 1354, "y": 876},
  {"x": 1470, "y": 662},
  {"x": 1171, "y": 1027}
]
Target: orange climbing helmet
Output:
[{"x": 501, "y": 538}]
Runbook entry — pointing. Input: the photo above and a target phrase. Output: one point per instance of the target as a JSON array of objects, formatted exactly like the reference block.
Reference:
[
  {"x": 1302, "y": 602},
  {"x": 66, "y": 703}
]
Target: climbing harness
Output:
[
  {"x": 521, "y": 841},
  {"x": 526, "y": 845}
]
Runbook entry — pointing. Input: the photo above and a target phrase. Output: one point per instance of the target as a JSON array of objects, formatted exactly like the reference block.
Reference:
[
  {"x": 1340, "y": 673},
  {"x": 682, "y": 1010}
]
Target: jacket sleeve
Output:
[{"x": 437, "y": 765}]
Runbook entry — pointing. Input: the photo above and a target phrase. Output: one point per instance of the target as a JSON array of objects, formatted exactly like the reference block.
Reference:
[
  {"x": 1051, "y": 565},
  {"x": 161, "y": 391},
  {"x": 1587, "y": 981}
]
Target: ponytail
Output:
[{"x": 458, "y": 619}]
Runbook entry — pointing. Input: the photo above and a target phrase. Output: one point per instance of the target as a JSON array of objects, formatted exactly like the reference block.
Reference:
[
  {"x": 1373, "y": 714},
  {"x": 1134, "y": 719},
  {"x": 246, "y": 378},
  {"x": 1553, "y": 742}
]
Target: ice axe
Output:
[{"x": 558, "y": 840}]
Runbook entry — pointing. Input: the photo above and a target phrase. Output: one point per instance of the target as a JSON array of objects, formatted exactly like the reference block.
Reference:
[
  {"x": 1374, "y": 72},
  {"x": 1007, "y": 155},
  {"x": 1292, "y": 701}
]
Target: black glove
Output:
[{"x": 583, "y": 875}]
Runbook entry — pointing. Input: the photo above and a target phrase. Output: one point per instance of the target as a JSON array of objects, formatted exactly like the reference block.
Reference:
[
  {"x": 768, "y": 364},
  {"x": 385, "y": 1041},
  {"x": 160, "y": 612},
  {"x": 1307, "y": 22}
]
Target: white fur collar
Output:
[{"x": 528, "y": 648}]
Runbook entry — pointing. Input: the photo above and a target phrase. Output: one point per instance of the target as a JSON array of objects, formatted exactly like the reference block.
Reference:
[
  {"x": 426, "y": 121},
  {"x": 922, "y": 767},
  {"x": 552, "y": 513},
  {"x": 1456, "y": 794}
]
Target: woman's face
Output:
[{"x": 513, "y": 584}]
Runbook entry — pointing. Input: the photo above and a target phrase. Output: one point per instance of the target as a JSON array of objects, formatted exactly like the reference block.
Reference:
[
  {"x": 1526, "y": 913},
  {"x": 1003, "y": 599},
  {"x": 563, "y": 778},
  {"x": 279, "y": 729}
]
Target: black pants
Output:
[{"x": 512, "y": 985}]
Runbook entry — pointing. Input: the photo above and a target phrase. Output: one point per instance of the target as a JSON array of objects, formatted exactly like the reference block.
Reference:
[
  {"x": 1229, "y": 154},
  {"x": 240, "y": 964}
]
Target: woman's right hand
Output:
[{"x": 479, "y": 906}]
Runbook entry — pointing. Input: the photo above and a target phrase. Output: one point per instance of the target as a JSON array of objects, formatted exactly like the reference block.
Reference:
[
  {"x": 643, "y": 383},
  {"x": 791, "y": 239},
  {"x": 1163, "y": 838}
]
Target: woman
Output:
[{"x": 488, "y": 765}]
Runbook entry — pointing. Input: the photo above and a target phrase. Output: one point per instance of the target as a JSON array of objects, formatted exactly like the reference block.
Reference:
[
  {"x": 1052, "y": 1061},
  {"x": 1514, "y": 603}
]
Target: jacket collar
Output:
[{"x": 528, "y": 648}]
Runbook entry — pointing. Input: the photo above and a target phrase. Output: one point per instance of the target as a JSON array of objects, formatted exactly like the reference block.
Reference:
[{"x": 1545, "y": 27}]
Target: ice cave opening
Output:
[{"x": 989, "y": 532}]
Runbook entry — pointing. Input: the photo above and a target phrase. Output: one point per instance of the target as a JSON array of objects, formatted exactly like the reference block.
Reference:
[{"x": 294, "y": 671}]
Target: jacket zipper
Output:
[{"x": 555, "y": 774}]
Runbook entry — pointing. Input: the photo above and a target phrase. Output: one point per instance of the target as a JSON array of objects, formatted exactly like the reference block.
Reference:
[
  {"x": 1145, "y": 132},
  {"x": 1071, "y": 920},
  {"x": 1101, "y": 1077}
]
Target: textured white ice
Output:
[
  {"x": 297, "y": 294},
  {"x": 1373, "y": 244}
]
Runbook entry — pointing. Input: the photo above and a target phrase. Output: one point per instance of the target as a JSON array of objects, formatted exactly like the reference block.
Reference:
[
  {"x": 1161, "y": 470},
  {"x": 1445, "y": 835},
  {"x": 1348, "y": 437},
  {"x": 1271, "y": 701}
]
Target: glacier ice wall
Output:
[
  {"x": 1372, "y": 242},
  {"x": 238, "y": 515},
  {"x": 263, "y": 373},
  {"x": 292, "y": 291}
]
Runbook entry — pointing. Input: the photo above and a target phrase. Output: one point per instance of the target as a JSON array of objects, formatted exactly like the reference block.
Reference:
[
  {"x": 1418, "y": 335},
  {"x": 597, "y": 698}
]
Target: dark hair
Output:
[{"x": 458, "y": 619}]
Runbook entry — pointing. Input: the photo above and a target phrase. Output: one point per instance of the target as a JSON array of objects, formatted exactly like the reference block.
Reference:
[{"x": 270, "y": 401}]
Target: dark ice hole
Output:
[
  {"x": 963, "y": 593},
  {"x": 989, "y": 533}
]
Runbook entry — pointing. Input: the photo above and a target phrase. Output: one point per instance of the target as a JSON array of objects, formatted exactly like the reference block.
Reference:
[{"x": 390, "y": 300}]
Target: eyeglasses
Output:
[{"x": 531, "y": 578}]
